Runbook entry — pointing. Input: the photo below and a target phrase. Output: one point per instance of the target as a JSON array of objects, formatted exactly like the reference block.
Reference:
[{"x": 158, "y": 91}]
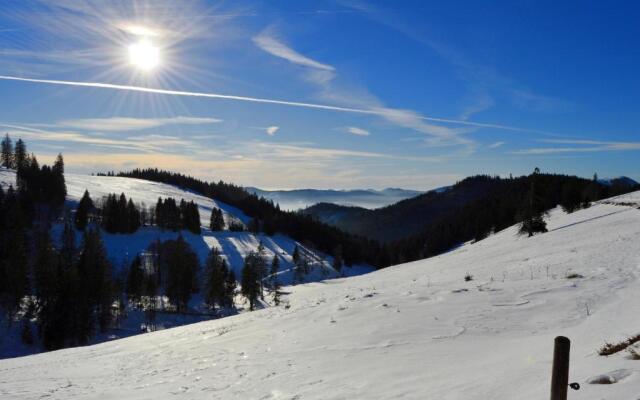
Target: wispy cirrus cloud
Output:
[
  {"x": 495, "y": 145},
  {"x": 152, "y": 143},
  {"x": 324, "y": 75},
  {"x": 120, "y": 124},
  {"x": 354, "y": 130},
  {"x": 298, "y": 152},
  {"x": 318, "y": 72},
  {"x": 580, "y": 146},
  {"x": 268, "y": 42}
]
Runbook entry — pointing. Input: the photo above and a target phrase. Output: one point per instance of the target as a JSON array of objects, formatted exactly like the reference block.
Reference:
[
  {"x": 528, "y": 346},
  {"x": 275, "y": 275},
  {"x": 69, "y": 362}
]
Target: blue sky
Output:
[{"x": 326, "y": 94}]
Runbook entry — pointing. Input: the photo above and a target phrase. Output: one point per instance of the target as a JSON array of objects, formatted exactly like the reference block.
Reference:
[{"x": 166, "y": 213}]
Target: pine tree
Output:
[
  {"x": 85, "y": 207},
  {"x": 133, "y": 217},
  {"x": 214, "y": 288},
  {"x": 533, "y": 211},
  {"x": 337, "y": 259},
  {"x": 217, "y": 220},
  {"x": 6, "y": 152},
  {"x": 46, "y": 282},
  {"x": 571, "y": 196},
  {"x": 135, "y": 281},
  {"x": 230, "y": 285},
  {"x": 261, "y": 266},
  {"x": 21, "y": 157},
  {"x": 275, "y": 283},
  {"x": 14, "y": 248},
  {"x": 250, "y": 286},
  {"x": 296, "y": 255},
  {"x": 95, "y": 275},
  {"x": 181, "y": 264},
  {"x": 254, "y": 225},
  {"x": 68, "y": 250},
  {"x": 59, "y": 188}
]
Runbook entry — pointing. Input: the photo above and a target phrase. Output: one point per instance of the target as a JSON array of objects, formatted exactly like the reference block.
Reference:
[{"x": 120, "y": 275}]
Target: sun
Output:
[{"x": 144, "y": 55}]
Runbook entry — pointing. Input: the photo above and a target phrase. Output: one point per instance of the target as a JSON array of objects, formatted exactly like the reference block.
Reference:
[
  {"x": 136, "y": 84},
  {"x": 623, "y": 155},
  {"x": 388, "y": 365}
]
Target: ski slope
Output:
[{"x": 413, "y": 331}]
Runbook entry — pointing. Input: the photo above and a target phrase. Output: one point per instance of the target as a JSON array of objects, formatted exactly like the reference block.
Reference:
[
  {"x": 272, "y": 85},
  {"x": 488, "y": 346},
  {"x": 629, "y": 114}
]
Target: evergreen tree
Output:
[
  {"x": 571, "y": 196},
  {"x": 189, "y": 217},
  {"x": 217, "y": 220},
  {"x": 254, "y": 225},
  {"x": 261, "y": 266},
  {"x": 533, "y": 211},
  {"x": 296, "y": 255},
  {"x": 337, "y": 259},
  {"x": 13, "y": 254},
  {"x": 68, "y": 250},
  {"x": 96, "y": 296},
  {"x": 133, "y": 217},
  {"x": 230, "y": 285},
  {"x": 21, "y": 157},
  {"x": 250, "y": 285},
  {"x": 59, "y": 188},
  {"x": 135, "y": 281},
  {"x": 47, "y": 285},
  {"x": 275, "y": 283},
  {"x": 215, "y": 274},
  {"x": 6, "y": 152},
  {"x": 592, "y": 192},
  {"x": 181, "y": 265},
  {"x": 85, "y": 208}
]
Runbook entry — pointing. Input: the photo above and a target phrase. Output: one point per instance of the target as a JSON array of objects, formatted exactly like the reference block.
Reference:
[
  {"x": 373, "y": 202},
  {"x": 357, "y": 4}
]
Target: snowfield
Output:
[{"x": 413, "y": 331}]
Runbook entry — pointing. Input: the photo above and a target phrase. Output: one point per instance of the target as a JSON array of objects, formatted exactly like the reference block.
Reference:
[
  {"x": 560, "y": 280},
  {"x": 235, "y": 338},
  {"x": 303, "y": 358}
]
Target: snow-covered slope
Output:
[
  {"x": 413, "y": 331},
  {"x": 234, "y": 245}
]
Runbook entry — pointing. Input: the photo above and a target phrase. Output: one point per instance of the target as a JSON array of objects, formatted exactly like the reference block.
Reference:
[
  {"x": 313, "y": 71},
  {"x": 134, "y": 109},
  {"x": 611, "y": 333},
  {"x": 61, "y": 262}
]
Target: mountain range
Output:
[{"x": 366, "y": 198}]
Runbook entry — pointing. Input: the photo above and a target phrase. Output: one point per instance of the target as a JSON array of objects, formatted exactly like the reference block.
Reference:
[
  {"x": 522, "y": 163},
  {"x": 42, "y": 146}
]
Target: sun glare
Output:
[{"x": 144, "y": 55}]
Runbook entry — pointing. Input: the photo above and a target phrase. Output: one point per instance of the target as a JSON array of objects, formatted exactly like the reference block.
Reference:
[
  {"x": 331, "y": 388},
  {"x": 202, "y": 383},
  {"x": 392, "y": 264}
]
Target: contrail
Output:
[{"x": 257, "y": 100}]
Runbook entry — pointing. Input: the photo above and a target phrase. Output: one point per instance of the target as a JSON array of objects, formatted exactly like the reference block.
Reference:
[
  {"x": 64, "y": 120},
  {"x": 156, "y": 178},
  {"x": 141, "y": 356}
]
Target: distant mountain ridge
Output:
[
  {"x": 412, "y": 216},
  {"x": 403, "y": 218},
  {"x": 620, "y": 180},
  {"x": 366, "y": 198}
]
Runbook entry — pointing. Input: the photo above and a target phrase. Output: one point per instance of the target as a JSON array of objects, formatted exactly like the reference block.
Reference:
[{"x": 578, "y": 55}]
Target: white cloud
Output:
[
  {"x": 358, "y": 131},
  {"x": 269, "y": 43},
  {"x": 581, "y": 146},
  {"x": 119, "y": 124},
  {"x": 272, "y": 130},
  {"x": 495, "y": 145},
  {"x": 294, "y": 152}
]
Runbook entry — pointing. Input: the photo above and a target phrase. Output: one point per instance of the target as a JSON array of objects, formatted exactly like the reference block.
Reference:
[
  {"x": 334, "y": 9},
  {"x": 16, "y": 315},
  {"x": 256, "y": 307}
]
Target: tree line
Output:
[{"x": 117, "y": 214}]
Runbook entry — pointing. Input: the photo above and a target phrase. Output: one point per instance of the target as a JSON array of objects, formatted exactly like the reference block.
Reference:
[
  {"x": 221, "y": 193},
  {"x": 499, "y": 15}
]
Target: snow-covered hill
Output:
[
  {"x": 413, "y": 331},
  {"x": 234, "y": 245},
  {"x": 122, "y": 248}
]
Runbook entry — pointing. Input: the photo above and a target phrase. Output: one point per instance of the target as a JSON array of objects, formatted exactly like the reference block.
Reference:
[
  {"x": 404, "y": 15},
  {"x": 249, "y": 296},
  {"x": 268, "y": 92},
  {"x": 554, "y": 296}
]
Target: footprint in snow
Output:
[{"x": 610, "y": 377}]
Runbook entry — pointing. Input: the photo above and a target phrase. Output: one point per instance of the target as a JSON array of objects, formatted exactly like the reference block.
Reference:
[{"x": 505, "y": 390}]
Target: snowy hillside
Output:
[
  {"x": 413, "y": 331},
  {"x": 234, "y": 245}
]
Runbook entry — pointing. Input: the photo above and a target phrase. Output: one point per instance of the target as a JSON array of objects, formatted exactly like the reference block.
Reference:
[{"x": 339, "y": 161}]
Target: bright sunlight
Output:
[{"x": 144, "y": 55}]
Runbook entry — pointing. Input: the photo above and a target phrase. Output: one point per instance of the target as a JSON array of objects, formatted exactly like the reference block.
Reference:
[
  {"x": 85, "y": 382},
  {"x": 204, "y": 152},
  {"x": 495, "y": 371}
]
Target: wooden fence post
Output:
[{"x": 560, "y": 371}]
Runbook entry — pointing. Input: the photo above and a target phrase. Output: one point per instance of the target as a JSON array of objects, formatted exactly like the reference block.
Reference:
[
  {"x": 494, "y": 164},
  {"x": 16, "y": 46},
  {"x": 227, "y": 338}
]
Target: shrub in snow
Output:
[{"x": 611, "y": 348}]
